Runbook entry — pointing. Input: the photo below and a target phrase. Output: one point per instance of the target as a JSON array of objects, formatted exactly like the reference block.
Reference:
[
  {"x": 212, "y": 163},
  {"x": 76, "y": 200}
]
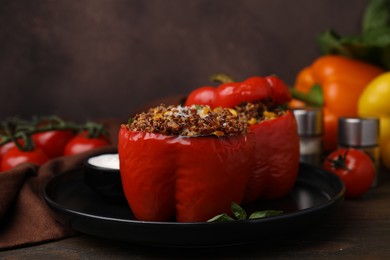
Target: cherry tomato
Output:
[
  {"x": 14, "y": 157},
  {"x": 52, "y": 142},
  {"x": 5, "y": 148},
  {"x": 82, "y": 143},
  {"x": 354, "y": 167}
]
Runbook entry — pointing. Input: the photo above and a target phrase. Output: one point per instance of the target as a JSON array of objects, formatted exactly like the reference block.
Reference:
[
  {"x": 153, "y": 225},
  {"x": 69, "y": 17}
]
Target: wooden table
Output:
[{"x": 357, "y": 229}]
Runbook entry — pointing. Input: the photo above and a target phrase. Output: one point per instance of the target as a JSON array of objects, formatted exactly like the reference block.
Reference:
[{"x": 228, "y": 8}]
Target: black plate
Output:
[{"x": 316, "y": 193}]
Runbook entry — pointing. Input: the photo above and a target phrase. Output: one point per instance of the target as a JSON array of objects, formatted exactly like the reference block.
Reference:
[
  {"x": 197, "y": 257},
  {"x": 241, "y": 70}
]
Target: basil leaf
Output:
[
  {"x": 265, "y": 213},
  {"x": 238, "y": 212},
  {"x": 372, "y": 45},
  {"x": 380, "y": 37},
  {"x": 329, "y": 42},
  {"x": 221, "y": 217},
  {"x": 376, "y": 15}
]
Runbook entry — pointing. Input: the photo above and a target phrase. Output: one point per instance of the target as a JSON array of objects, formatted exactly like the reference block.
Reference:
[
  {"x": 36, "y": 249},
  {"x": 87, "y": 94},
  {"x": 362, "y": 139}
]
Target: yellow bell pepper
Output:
[{"x": 375, "y": 101}]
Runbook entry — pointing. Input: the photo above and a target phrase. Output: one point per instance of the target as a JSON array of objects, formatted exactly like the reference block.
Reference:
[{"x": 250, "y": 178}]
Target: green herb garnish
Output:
[
  {"x": 371, "y": 45},
  {"x": 240, "y": 214}
]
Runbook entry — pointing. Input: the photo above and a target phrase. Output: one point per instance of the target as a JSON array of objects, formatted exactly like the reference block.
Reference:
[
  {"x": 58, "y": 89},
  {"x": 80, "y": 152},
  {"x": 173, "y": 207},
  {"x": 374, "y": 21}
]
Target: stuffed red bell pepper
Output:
[
  {"x": 184, "y": 163},
  {"x": 261, "y": 100}
]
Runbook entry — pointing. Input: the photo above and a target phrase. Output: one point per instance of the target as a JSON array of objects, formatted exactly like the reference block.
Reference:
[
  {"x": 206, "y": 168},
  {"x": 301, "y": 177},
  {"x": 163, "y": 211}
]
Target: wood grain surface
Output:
[{"x": 357, "y": 229}]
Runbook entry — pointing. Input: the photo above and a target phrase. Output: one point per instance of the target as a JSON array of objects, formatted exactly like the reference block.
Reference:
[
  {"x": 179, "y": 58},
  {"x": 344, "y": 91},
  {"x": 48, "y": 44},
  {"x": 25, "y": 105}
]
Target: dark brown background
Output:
[{"x": 105, "y": 58}]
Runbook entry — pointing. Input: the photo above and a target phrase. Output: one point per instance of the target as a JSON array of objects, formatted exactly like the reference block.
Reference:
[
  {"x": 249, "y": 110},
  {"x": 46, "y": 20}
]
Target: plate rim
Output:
[{"x": 339, "y": 196}]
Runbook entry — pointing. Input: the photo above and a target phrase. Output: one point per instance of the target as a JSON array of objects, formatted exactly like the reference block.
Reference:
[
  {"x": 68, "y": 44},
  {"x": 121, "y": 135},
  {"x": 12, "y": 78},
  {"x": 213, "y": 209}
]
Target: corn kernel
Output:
[
  {"x": 218, "y": 133},
  {"x": 233, "y": 112},
  {"x": 203, "y": 113},
  {"x": 252, "y": 121},
  {"x": 156, "y": 116},
  {"x": 269, "y": 115},
  {"x": 218, "y": 109},
  {"x": 206, "y": 110}
]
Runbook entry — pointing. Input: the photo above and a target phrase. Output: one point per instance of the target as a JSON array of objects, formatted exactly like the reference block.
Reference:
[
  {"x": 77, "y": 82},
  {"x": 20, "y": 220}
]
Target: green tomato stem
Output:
[{"x": 20, "y": 131}]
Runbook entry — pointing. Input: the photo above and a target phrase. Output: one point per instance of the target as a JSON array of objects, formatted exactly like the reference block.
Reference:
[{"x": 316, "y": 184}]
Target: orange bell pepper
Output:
[{"x": 341, "y": 80}]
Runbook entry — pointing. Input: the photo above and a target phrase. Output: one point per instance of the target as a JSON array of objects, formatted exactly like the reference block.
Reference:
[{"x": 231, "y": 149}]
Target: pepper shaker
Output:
[
  {"x": 362, "y": 134},
  {"x": 309, "y": 122}
]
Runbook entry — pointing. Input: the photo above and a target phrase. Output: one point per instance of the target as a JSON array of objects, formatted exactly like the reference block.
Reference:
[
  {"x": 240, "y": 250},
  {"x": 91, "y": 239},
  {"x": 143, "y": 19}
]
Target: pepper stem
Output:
[
  {"x": 221, "y": 78},
  {"x": 314, "y": 97}
]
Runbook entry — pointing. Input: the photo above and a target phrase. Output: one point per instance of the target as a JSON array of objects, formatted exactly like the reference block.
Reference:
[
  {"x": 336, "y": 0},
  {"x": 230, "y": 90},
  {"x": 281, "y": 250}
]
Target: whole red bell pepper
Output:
[
  {"x": 187, "y": 179},
  {"x": 190, "y": 179},
  {"x": 276, "y": 140},
  {"x": 231, "y": 94}
]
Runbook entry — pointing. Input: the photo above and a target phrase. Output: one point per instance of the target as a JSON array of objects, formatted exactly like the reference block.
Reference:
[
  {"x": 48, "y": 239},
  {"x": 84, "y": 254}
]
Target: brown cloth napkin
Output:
[{"x": 25, "y": 219}]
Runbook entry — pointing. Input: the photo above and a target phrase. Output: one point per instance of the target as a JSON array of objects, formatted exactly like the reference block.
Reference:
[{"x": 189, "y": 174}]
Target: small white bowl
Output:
[{"x": 102, "y": 175}]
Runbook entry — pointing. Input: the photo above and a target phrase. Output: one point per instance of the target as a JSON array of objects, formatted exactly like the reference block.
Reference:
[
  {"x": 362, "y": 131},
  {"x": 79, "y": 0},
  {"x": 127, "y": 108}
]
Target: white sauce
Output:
[{"x": 110, "y": 161}]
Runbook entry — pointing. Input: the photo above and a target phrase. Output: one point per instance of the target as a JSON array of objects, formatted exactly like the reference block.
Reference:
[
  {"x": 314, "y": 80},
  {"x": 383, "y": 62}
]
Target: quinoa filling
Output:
[{"x": 199, "y": 120}]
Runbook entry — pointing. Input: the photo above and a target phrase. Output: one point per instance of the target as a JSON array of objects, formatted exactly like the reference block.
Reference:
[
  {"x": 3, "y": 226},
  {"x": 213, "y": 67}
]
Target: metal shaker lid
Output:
[
  {"x": 358, "y": 131},
  {"x": 309, "y": 121}
]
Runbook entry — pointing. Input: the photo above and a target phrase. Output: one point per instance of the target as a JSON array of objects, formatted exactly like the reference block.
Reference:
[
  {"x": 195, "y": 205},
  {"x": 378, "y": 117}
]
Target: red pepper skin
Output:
[
  {"x": 276, "y": 140},
  {"x": 280, "y": 92},
  {"x": 187, "y": 179},
  {"x": 202, "y": 96},
  {"x": 147, "y": 176},
  {"x": 234, "y": 93},
  {"x": 276, "y": 158}
]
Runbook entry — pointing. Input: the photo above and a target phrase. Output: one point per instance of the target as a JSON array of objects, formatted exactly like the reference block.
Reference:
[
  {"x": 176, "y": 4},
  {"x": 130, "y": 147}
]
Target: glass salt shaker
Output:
[
  {"x": 362, "y": 134},
  {"x": 309, "y": 122}
]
